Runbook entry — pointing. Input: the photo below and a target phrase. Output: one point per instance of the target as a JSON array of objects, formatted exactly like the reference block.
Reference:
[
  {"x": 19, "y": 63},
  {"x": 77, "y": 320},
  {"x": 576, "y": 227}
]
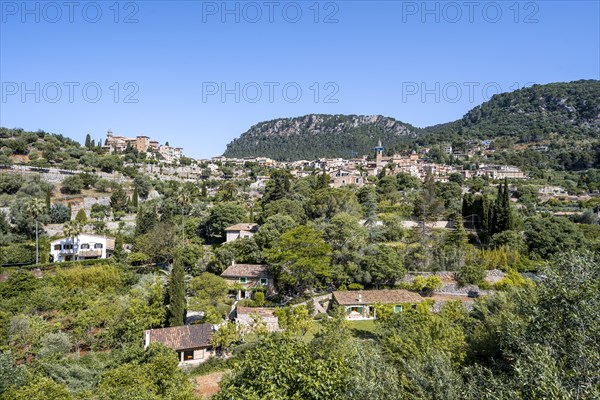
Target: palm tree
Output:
[
  {"x": 35, "y": 209},
  {"x": 71, "y": 230},
  {"x": 183, "y": 198},
  {"x": 230, "y": 191}
]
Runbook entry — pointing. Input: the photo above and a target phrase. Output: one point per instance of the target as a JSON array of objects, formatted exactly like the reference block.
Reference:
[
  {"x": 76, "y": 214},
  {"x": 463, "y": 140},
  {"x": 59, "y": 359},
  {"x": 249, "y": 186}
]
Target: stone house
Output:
[
  {"x": 243, "y": 230},
  {"x": 360, "y": 304},
  {"x": 245, "y": 279},
  {"x": 191, "y": 342}
]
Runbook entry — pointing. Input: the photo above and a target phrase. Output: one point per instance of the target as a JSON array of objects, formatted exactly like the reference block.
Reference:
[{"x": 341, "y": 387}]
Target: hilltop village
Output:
[{"x": 215, "y": 264}]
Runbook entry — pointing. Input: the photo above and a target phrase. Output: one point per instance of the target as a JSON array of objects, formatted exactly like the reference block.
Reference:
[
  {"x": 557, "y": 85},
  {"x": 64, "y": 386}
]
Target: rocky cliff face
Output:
[{"x": 314, "y": 136}]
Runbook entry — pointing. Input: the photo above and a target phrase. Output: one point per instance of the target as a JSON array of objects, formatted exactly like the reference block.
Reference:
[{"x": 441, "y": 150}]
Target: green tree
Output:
[
  {"x": 118, "y": 199},
  {"x": 383, "y": 266},
  {"x": 36, "y": 208},
  {"x": 289, "y": 207},
  {"x": 11, "y": 375},
  {"x": 301, "y": 259},
  {"x": 134, "y": 199},
  {"x": 42, "y": 389},
  {"x": 406, "y": 181},
  {"x": 72, "y": 184},
  {"x": 220, "y": 217},
  {"x": 272, "y": 229},
  {"x": 414, "y": 333},
  {"x": 277, "y": 187},
  {"x": 426, "y": 285},
  {"x": 567, "y": 322},
  {"x": 81, "y": 217},
  {"x": 71, "y": 230},
  {"x": 177, "y": 290},
  {"x": 142, "y": 184},
  {"x": 280, "y": 368},
  {"x": 546, "y": 236},
  {"x": 208, "y": 293},
  {"x": 325, "y": 203},
  {"x": 183, "y": 199},
  {"x": 502, "y": 216},
  {"x": 225, "y": 337},
  {"x": 370, "y": 214},
  {"x": 160, "y": 243},
  {"x": 48, "y": 200},
  {"x": 295, "y": 320}
]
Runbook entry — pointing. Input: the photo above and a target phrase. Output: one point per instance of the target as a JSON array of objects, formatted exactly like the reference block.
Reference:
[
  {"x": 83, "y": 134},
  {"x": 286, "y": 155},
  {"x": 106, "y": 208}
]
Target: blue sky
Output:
[{"x": 198, "y": 74}]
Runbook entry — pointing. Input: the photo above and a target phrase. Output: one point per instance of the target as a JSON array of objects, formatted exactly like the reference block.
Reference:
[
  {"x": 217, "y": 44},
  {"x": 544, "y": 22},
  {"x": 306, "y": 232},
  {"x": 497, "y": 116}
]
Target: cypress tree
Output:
[
  {"x": 177, "y": 303},
  {"x": 488, "y": 214},
  {"x": 502, "y": 219},
  {"x": 204, "y": 192},
  {"x": 506, "y": 205},
  {"x": 134, "y": 198},
  {"x": 118, "y": 251},
  {"x": 48, "y": 201},
  {"x": 81, "y": 216},
  {"x": 88, "y": 141}
]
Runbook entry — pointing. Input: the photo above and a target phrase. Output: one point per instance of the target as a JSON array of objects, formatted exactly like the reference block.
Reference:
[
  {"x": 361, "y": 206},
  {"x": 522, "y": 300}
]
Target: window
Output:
[
  {"x": 397, "y": 308},
  {"x": 264, "y": 281},
  {"x": 242, "y": 279},
  {"x": 85, "y": 246},
  {"x": 68, "y": 247},
  {"x": 98, "y": 246},
  {"x": 57, "y": 247}
]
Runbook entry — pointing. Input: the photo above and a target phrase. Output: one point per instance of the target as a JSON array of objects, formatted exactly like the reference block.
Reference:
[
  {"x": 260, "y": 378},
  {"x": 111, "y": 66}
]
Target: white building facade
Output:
[{"x": 85, "y": 246}]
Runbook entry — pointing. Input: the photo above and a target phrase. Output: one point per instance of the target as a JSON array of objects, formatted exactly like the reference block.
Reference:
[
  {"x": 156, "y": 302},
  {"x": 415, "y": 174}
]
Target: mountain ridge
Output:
[{"x": 526, "y": 115}]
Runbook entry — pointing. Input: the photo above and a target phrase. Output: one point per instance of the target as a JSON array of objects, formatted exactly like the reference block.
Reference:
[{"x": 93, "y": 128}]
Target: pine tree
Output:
[
  {"x": 88, "y": 141},
  {"x": 177, "y": 303},
  {"x": 323, "y": 182},
  {"x": 81, "y": 216},
  {"x": 118, "y": 199}
]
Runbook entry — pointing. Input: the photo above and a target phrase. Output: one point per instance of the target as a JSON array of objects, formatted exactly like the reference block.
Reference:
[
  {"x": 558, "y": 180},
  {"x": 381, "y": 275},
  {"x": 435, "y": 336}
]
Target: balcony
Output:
[{"x": 90, "y": 253}]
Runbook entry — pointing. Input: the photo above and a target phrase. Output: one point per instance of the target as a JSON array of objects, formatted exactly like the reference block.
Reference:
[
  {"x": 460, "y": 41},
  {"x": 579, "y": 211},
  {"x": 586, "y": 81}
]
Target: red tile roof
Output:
[
  {"x": 351, "y": 297},
  {"x": 246, "y": 270},
  {"x": 250, "y": 227},
  {"x": 182, "y": 337}
]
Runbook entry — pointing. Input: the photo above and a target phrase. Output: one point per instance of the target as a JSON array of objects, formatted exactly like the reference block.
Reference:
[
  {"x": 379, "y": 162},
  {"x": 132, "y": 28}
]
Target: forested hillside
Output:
[
  {"x": 314, "y": 136},
  {"x": 531, "y": 114},
  {"x": 562, "y": 114}
]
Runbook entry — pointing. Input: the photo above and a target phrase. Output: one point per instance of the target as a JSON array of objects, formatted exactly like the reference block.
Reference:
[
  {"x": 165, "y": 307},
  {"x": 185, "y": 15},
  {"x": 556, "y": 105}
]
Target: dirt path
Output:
[{"x": 207, "y": 385}]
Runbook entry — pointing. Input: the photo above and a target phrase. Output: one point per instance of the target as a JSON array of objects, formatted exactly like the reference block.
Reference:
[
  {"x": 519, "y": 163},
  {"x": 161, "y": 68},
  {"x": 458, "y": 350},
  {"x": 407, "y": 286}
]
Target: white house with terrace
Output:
[{"x": 85, "y": 246}]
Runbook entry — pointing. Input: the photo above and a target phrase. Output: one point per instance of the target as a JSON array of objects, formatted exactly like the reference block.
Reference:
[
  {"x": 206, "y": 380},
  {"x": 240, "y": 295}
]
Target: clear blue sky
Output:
[{"x": 401, "y": 59}]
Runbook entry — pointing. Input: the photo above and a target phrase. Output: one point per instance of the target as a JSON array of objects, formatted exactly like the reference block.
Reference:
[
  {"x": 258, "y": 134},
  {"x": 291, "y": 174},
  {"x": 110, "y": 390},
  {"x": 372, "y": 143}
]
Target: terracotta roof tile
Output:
[
  {"x": 182, "y": 337},
  {"x": 250, "y": 227},
  {"x": 246, "y": 270},
  {"x": 350, "y": 297}
]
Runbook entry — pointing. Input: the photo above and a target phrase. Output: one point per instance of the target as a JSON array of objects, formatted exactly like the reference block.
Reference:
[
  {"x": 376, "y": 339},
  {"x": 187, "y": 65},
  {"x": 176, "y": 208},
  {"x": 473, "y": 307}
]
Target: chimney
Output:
[
  {"x": 359, "y": 298},
  {"x": 147, "y": 339}
]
